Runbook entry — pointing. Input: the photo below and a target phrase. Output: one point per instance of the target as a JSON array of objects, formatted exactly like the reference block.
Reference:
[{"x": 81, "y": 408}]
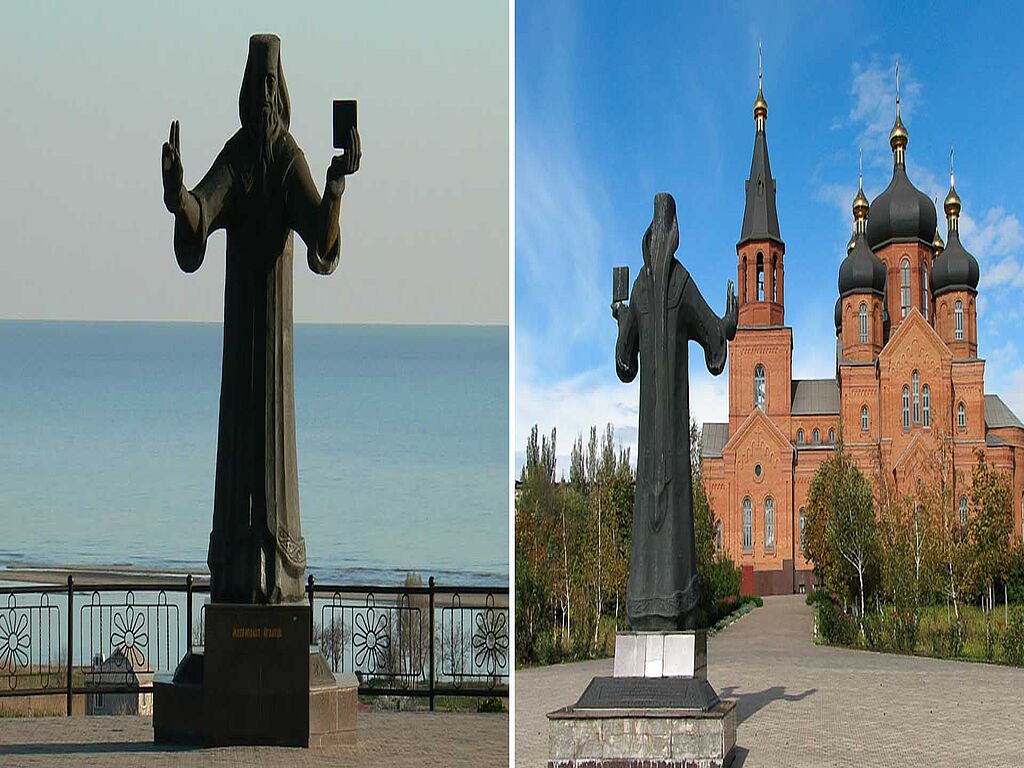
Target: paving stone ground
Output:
[
  {"x": 803, "y": 705},
  {"x": 400, "y": 739}
]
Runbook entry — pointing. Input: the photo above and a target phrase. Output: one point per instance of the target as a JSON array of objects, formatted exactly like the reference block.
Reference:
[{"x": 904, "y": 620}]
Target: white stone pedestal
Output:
[{"x": 661, "y": 654}]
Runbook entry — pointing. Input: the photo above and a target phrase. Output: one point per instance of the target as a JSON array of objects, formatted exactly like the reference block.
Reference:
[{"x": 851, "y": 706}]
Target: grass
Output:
[{"x": 982, "y": 633}]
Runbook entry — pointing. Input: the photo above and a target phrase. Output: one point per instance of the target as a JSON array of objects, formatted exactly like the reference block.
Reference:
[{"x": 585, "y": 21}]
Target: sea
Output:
[{"x": 108, "y": 439}]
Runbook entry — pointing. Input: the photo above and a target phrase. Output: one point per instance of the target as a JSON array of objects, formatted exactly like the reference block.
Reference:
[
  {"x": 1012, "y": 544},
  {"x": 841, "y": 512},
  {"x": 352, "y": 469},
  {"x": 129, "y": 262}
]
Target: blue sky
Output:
[{"x": 614, "y": 103}]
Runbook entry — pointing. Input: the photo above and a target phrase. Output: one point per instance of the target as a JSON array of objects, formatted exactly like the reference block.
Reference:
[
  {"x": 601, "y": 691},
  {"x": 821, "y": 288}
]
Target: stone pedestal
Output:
[
  {"x": 661, "y": 654},
  {"x": 657, "y": 711},
  {"x": 256, "y": 681}
]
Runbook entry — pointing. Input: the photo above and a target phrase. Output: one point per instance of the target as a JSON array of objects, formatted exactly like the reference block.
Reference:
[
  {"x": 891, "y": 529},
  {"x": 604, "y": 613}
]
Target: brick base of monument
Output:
[
  {"x": 658, "y": 711},
  {"x": 257, "y": 680}
]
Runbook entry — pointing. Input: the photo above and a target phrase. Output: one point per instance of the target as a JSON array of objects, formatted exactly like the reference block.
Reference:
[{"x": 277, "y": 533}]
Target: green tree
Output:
[
  {"x": 991, "y": 530},
  {"x": 843, "y": 540}
]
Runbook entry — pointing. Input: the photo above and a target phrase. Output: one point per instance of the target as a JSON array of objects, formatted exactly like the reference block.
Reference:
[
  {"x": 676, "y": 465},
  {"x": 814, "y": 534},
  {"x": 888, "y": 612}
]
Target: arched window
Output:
[
  {"x": 718, "y": 535},
  {"x": 864, "y": 424},
  {"x": 904, "y": 288},
  {"x": 759, "y": 387},
  {"x": 958, "y": 319},
  {"x": 917, "y": 397},
  {"x": 963, "y": 511},
  {"x": 961, "y": 415},
  {"x": 746, "y": 279},
  {"x": 800, "y": 436},
  {"x": 863, "y": 323},
  {"x": 748, "y": 525},
  {"x": 831, "y": 436},
  {"x": 760, "y": 277},
  {"x": 817, "y": 437},
  {"x": 926, "y": 402},
  {"x": 906, "y": 408},
  {"x": 924, "y": 289},
  {"x": 769, "y": 523},
  {"x": 803, "y": 522}
]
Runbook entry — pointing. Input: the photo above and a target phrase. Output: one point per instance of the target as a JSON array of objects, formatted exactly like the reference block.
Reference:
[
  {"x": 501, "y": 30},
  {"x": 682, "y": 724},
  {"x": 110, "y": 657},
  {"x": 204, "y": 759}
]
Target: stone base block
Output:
[
  {"x": 661, "y": 654},
  {"x": 257, "y": 681},
  {"x": 652, "y": 738}
]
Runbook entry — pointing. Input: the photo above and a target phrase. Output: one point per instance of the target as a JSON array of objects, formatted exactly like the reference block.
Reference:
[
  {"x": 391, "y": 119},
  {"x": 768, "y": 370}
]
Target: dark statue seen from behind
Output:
[
  {"x": 259, "y": 189},
  {"x": 665, "y": 312}
]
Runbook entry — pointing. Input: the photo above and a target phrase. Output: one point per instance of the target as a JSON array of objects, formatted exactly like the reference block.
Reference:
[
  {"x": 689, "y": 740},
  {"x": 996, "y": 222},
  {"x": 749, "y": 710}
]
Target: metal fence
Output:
[{"x": 413, "y": 640}]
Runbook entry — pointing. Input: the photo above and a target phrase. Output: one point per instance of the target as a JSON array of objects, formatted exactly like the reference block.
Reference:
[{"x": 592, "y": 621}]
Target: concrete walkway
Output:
[
  {"x": 404, "y": 739},
  {"x": 807, "y": 705}
]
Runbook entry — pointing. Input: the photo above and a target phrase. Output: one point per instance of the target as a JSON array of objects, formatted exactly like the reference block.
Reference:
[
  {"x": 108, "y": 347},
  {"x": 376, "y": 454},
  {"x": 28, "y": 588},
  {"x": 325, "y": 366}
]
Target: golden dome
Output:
[
  {"x": 937, "y": 244},
  {"x": 951, "y": 205},
  {"x": 860, "y": 205},
  {"x": 898, "y": 136},
  {"x": 760, "y": 105}
]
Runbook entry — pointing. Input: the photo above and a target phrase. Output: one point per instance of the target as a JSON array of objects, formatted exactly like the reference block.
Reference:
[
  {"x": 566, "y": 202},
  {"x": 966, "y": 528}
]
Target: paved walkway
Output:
[
  {"x": 401, "y": 739},
  {"x": 807, "y": 705}
]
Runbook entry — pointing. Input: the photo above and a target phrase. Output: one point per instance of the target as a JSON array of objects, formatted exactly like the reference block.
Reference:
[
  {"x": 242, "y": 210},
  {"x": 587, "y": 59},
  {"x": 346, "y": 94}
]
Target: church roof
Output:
[
  {"x": 955, "y": 269},
  {"x": 901, "y": 213},
  {"x": 713, "y": 438},
  {"x": 861, "y": 270},
  {"x": 812, "y": 396},
  {"x": 998, "y": 414},
  {"x": 760, "y": 216}
]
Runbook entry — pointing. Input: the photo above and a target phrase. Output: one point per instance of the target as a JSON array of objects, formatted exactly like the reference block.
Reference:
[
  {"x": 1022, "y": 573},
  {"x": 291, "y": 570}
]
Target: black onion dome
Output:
[
  {"x": 901, "y": 213},
  {"x": 955, "y": 269},
  {"x": 861, "y": 270},
  {"x": 839, "y": 314}
]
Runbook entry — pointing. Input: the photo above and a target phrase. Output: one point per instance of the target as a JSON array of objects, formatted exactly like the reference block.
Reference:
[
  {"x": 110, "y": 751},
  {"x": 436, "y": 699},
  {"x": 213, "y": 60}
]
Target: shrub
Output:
[
  {"x": 836, "y": 626},
  {"x": 819, "y": 595},
  {"x": 724, "y": 579},
  {"x": 1015, "y": 582},
  {"x": 946, "y": 641},
  {"x": 877, "y": 632},
  {"x": 492, "y": 704},
  {"x": 1013, "y": 640}
]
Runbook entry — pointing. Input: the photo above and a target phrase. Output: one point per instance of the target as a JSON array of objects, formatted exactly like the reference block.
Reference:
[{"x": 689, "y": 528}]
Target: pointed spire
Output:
[
  {"x": 951, "y": 204},
  {"x": 898, "y": 136},
  {"x": 760, "y": 105},
  {"x": 760, "y": 217},
  {"x": 860, "y": 202}
]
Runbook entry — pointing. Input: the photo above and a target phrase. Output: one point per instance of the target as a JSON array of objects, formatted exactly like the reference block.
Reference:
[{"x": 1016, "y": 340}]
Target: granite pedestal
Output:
[
  {"x": 657, "y": 711},
  {"x": 257, "y": 680}
]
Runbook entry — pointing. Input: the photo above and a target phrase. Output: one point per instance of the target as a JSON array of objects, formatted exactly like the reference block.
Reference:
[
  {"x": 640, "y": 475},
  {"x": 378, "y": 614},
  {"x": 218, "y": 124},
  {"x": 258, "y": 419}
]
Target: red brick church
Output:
[{"x": 908, "y": 374}]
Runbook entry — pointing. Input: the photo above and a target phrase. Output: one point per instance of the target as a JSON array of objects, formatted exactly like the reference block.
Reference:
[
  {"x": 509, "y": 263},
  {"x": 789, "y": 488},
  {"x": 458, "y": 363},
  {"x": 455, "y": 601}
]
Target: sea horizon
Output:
[{"x": 109, "y": 442}]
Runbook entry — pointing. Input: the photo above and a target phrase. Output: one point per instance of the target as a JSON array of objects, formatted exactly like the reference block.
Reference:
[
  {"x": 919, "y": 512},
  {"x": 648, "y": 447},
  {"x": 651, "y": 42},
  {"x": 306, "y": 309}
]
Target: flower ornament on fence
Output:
[
  {"x": 371, "y": 640},
  {"x": 128, "y": 636},
  {"x": 490, "y": 640},
  {"x": 14, "y": 641}
]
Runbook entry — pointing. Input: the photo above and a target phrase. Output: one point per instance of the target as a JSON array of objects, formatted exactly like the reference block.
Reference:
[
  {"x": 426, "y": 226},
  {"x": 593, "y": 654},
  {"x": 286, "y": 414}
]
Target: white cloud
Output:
[
  {"x": 574, "y": 404},
  {"x": 874, "y": 105}
]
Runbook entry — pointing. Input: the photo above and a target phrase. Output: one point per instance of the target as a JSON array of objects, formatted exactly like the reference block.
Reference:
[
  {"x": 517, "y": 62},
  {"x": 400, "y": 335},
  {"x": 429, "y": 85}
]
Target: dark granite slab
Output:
[{"x": 685, "y": 693}]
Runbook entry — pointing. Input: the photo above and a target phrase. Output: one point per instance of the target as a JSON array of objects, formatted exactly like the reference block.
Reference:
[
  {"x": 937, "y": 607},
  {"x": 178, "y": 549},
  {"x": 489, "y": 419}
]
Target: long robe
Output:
[
  {"x": 257, "y": 553},
  {"x": 665, "y": 311}
]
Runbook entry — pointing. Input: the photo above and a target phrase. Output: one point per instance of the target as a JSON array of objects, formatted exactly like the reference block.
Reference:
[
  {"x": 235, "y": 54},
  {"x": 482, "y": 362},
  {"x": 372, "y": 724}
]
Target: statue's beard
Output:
[{"x": 268, "y": 126}]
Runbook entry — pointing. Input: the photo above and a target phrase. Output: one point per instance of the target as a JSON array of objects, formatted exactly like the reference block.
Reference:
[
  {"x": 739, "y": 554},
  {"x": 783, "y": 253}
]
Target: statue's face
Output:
[{"x": 264, "y": 85}]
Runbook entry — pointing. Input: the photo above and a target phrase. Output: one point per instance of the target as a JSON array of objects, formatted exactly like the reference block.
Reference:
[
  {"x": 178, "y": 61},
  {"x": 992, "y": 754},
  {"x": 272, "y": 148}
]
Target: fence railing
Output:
[{"x": 110, "y": 638}]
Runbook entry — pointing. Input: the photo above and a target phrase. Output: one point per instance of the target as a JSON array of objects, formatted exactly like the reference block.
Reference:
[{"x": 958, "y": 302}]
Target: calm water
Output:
[{"x": 108, "y": 435}]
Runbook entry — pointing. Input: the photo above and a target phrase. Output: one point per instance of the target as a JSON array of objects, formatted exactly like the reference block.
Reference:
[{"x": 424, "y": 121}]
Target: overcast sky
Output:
[
  {"x": 614, "y": 107},
  {"x": 89, "y": 93}
]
